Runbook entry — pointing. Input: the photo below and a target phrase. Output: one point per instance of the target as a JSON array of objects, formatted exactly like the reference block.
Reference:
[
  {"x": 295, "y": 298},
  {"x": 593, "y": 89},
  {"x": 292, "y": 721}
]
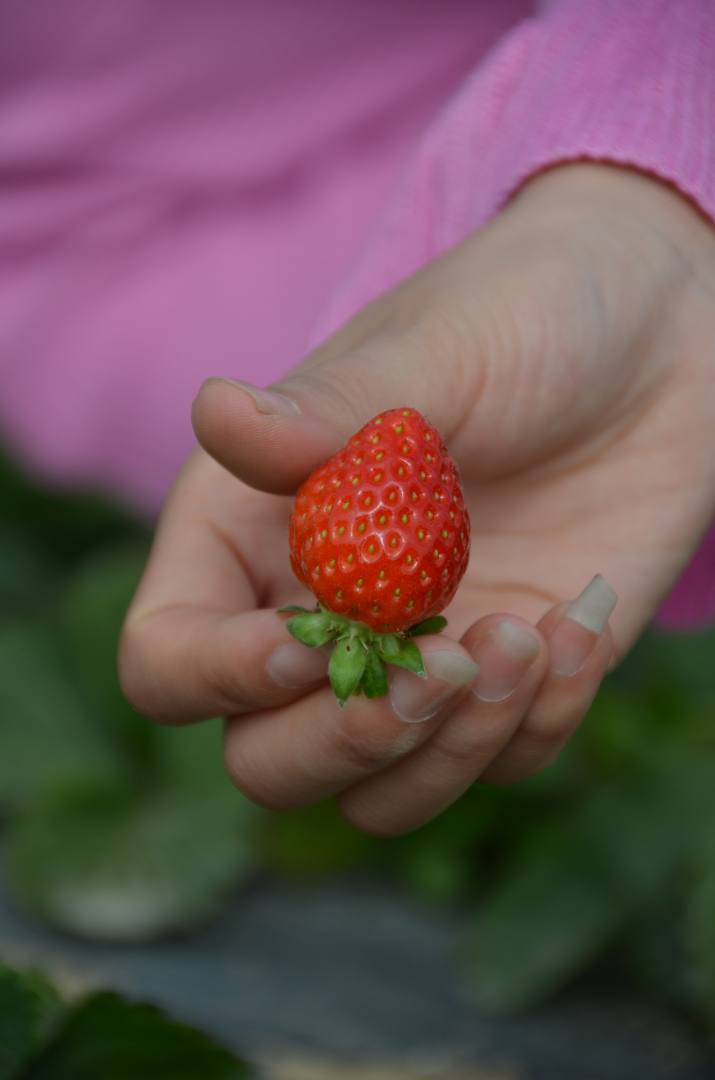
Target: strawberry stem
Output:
[{"x": 357, "y": 662}]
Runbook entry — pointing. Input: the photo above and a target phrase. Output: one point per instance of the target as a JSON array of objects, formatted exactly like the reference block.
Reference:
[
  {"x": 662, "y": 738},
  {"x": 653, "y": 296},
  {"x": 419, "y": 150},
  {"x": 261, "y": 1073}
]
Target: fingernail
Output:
[
  {"x": 415, "y": 700},
  {"x": 268, "y": 402},
  {"x": 584, "y": 620},
  {"x": 294, "y": 665},
  {"x": 504, "y": 657}
]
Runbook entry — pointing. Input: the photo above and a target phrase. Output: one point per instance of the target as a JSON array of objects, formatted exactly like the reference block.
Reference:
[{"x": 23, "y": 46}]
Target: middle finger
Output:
[
  {"x": 513, "y": 658},
  {"x": 309, "y": 750}
]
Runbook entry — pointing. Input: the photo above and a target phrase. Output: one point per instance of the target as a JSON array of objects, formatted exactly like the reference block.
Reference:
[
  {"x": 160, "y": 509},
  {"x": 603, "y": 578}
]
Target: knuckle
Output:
[
  {"x": 453, "y": 751},
  {"x": 454, "y": 744},
  {"x": 221, "y": 682},
  {"x": 438, "y": 331},
  {"x": 543, "y": 728},
  {"x": 141, "y": 664},
  {"x": 368, "y": 822},
  {"x": 351, "y": 399},
  {"x": 132, "y": 664},
  {"x": 365, "y": 752},
  {"x": 443, "y": 338},
  {"x": 523, "y": 760},
  {"x": 550, "y": 756},
  {"x": 245, "y": 774}
]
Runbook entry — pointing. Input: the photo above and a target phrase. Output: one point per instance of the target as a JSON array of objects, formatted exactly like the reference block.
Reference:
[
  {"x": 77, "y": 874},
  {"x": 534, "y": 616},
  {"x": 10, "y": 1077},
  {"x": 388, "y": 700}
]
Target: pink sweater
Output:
[{"x": 192, "y": 189}]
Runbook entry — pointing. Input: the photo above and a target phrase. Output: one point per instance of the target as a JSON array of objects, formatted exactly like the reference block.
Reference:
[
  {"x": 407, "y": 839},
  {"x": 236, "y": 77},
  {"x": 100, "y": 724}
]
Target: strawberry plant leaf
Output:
[
  {"x": 66, "y": 523},
  {"x": 311, "y": 841},
  {"x": 654, "y": 948},
  {"x": 27, "y": 573},
  {"x": 440, "y": 860},
  {"x": 551, "y": 912},
  {"x": 108, "y": 1037},
  {"x": 29, "y": 1009},
  {"x": 17, "y": 1024},
  {"x": 191, "y": 763},
  {"x": 374, "y": 680},
  {"x": 312, "y": 628},
  {"x": 96, "y": 599},
  {"x": 111, "y": 863},
  {"x": 636, "y": 830},
  {"x": 295, "y": 608},
  {"x": 428, "y": 626},
  {"x": 347, "y": 664},
  {"x": 48, "y": 734},
  {"x": 699, "y": 933}
]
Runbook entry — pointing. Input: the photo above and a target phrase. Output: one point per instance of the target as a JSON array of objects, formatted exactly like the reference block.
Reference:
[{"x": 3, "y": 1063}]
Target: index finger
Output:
[{"x": 193, "y": 644}]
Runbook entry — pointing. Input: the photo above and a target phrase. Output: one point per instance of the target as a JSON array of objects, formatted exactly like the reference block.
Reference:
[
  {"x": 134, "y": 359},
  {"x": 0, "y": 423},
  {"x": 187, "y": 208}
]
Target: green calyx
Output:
[{"x": 359, "y": 657}]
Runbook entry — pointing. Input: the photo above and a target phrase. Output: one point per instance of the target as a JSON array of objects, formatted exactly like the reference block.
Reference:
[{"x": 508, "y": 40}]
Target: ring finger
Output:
[
  {"x": 519, "y": 714},
  {"x": 310, "y": 749}
]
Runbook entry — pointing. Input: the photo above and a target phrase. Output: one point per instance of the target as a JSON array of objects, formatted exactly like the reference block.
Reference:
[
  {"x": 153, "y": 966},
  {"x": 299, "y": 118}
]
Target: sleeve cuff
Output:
[{"x": 631, "y": 84}]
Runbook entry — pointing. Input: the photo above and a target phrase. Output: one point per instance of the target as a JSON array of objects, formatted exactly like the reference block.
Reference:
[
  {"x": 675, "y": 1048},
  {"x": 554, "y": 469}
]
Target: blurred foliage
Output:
[
  {"x": 30, "y": 1008},
  {"x": 104, "y": 1035},
  {"x": 119, "y": 829},
  {"x": 113, "y": 827}
]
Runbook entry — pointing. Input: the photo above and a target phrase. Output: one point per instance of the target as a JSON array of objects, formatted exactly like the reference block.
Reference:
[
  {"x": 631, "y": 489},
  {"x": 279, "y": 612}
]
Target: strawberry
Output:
[{"x": 380, "y": 535}]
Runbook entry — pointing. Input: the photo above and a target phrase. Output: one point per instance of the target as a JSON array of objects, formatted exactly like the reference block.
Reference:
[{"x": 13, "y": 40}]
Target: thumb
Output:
[{"x": 273, "y": 438}]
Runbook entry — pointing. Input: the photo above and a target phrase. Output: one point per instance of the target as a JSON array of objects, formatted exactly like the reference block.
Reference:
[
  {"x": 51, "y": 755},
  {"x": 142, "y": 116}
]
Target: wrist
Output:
[{"x": 641, "y": 201}]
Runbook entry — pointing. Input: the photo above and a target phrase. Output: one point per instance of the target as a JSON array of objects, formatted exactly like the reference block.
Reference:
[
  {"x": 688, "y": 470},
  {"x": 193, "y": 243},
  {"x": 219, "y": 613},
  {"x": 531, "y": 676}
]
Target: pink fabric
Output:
[{"x": 205, "y": 188}]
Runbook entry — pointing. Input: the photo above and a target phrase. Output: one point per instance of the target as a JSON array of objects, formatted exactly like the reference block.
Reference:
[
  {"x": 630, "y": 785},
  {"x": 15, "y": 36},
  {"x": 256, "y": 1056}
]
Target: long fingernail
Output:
[
  {"x": 294, "y": 665},
  {"x": 584, "y": 620},
  {"x": 268, "y": 402},
  {"x": 415, "y": 700},
  {"x": 504, "y": 657}
]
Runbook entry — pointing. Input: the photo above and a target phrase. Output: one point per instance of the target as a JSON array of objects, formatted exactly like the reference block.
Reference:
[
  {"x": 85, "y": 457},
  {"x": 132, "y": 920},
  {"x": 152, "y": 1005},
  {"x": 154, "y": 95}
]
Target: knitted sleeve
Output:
[{"x": 607, "y": 80}]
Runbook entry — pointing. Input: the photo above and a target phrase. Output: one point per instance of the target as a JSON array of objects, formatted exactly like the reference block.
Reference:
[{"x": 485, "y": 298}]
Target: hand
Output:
[{"x": 565, "y": 352}]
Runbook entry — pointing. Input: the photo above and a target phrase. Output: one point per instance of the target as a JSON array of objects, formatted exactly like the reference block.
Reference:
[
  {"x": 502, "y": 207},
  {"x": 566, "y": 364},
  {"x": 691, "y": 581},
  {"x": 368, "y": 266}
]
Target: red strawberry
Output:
[{"x": 380, "y": 535}]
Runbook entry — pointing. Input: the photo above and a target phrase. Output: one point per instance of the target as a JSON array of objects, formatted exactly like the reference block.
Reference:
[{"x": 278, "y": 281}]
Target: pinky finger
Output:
[{"x": 580, "y": 653}]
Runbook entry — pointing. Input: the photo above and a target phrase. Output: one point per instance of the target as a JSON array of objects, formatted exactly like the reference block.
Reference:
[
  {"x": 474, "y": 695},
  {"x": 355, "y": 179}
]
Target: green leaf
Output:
[
  {"x": 313, "y": 628},
  {"x": 442, "y": 858},
  {"x": 404, "y": 654},
  {"x": 347, "y": 664},
  {"x": 668, "y": 670},
  {"x": 699, "y": 934},
  {"x": 48, "y": 735},
  {"x": 313, "y": 840},
  {"x": 17, "y": 1024},
  {"x": 611, "y": 743},
  {"x": 67, "y": 523},
  {"x": 27, "y": 573},
  {"x": 389, "y": 645},
  {"x": 191, "y": 763},
  {"x": 374, "y": 679},
  {"x": 295, "y": 608},
  {"x": 642, "y": 832},
  {"x": 95, "y": 603},
  {"x": 654, "y": 948},
  {"x": 428, "y": 626},
  {"x": 436, "y": 874},
  {"x": 106, "y": 863},
  {"x": 548, "y": 916},
  {"x": 29, "y": 1008},
  {"x": 114, "y": 1039}
]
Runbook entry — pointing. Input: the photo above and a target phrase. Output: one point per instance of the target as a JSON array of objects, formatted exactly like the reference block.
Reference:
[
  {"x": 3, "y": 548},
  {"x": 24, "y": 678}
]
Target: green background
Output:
[{"x": 609, "y": 855}]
